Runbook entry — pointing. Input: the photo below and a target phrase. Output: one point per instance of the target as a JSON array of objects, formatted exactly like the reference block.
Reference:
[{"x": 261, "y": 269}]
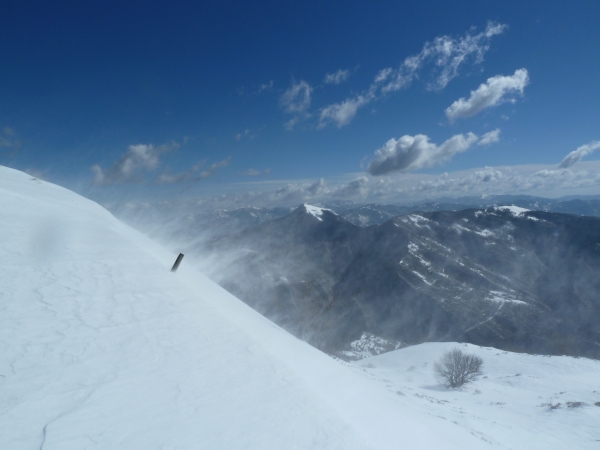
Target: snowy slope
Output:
[
  {"x": 509, "y": 406},
  {"x": 102, "y": 347}
]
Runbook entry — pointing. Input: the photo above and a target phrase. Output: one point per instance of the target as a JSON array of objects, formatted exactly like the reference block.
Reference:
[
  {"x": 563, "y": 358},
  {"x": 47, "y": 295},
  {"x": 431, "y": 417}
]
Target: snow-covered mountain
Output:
[
  {"x": 102, "y": 347},
  {"x": 503, "y": 276},
  {"x": 185, "y": 223}
]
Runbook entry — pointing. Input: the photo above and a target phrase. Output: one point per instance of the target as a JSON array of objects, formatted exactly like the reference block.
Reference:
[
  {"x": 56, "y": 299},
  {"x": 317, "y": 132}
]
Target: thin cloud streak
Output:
[{"x": 255, "y": 173}]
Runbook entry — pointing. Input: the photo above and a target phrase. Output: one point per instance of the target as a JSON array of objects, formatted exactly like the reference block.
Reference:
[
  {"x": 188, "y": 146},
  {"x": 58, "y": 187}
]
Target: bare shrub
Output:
[{"x": 457, "y": 368}]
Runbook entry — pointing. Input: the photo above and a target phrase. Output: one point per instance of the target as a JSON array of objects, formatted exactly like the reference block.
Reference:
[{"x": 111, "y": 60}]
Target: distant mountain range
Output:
[
  {"x": 186, "y": 224},
  {"x": 498, "y": 276}
]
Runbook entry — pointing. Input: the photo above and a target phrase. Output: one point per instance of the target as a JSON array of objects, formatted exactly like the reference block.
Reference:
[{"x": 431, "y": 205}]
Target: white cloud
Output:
[
  {"x": 8, "y": 139},
  {"x": 576, "y": 155},
  {"x": 337, "y": 77},
  {"x": 541, "y": 180},
  {"x": 266, "y": 86},
  {"x": 490, "y": 137},
  {"x": 355, "y": 188},
  {"x": 489, "y": 94},
  {"x": 449, "y": 54},
  {"x": 244, "y": 134},
  {"x": 129, "y": 167},
  {"x": 296, "y": 100},
  {"x": 296, "y": 193},
  {"x": 445, "y": 55},
  {"x": 140, "y": 159},
  {"x": 255, "y": 173},
  {"x": 170, "y": 178},
  {"x": 214, "y": 167},
  {"x": 342, "y": 113},
  {"x": 416, "y": 152}
]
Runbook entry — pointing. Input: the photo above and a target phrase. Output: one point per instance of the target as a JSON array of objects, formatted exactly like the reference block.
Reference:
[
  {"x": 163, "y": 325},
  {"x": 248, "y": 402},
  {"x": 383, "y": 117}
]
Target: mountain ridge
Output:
[{"x": 486, "y": 276}]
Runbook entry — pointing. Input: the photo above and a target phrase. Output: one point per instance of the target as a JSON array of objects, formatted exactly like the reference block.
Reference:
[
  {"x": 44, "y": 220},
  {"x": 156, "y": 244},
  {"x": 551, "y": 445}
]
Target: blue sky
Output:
[{"x": 272, "y": 102}]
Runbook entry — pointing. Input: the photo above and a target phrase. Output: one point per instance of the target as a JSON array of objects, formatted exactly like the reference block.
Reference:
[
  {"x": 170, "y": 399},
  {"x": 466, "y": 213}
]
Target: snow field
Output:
[
  {"x": 102, "y": 347},
  {"x": 507, "y": 408}
]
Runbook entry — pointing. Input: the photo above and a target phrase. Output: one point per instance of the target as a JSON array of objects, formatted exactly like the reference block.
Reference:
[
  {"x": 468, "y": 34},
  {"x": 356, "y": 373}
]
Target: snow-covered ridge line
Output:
[
  {"x": 317, "y": 211},
  {"x": 515, "y": 210}
]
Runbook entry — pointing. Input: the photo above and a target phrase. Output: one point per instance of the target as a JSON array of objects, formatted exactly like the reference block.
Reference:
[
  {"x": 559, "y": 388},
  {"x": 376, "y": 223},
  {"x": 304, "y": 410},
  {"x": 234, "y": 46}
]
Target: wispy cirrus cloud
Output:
[
  {"x": 265, "y": 87},
  {"x": 296, "y": 101},
  {"x": 576, "y": 155},
  {"x": 444, "y": 56},
  {"x": 337, "y": 77},
  {"x": 489, "y": 94}
]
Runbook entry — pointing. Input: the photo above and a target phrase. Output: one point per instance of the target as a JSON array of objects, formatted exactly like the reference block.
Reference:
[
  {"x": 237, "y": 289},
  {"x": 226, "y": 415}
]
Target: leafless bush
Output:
[{"x": 457, "y": 368}]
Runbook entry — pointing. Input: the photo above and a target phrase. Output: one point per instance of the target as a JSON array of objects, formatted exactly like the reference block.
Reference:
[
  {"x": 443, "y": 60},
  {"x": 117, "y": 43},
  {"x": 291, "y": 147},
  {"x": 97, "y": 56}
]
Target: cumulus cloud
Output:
[
  {"x": 416, "y": 152},
  {"x": 298, "y": 192},
  {"x": 141, "y": 159},
  {"x": 490, "y": 137},
  {"x": 129, "y": 168},
  {"x": 337, "y": 77},
  {"x": 355, "y": 188},
  {"x": 492, "y": 93},
  {"x": 444, "y": 56},
  {"x": 576, "y": 155},
  {"x": 296, "y": 100},
  {"x": 255, "y": 173}
]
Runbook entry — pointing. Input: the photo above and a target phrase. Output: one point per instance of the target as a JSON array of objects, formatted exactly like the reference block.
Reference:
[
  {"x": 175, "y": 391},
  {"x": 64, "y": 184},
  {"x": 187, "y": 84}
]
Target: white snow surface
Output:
[
  {"x": 514, "y": 210},
  {"x": 102, "y": 347},
  {"x": 316, "y": 211},
  {"x": 506, "y": 408}
]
